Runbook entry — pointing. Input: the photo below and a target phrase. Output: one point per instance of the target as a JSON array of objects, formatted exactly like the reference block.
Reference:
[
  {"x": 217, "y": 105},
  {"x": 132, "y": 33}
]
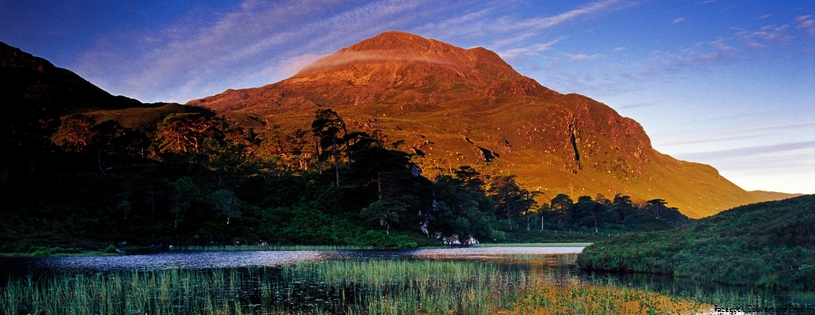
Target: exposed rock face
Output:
[{"x": 460, "y": 106}]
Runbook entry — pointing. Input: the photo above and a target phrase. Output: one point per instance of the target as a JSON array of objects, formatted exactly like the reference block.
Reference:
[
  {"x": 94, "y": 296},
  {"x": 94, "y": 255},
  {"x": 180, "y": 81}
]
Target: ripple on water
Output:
[
  {"x": 185, "y": 260},
  {"x": 240, "y": 259}
]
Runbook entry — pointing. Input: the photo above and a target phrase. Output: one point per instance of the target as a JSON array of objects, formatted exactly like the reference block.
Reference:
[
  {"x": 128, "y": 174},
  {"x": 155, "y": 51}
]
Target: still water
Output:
[
  {"x": 484, "y": 280},
  {"x": 243, "y": 259}
]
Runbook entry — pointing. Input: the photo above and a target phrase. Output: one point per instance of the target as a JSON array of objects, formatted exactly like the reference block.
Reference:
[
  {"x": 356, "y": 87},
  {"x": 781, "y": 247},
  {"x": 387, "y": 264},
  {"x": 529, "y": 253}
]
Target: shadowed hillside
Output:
[{"x": 452, "y": 106}]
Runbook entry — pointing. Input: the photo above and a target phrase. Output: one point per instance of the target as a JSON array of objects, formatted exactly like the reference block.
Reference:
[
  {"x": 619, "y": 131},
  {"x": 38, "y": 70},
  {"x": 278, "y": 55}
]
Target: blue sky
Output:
[{"x": 725, "y": 83}]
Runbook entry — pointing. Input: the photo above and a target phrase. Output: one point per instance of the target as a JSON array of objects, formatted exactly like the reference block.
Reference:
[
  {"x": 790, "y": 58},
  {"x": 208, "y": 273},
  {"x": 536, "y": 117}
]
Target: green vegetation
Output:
[{"x": 770, "y": 244}]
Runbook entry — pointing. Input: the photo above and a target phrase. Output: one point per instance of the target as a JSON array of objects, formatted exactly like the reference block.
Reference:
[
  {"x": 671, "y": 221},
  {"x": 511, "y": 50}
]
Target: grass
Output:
[
  {"x": 167, "y": 291},
  {"x": 373, "y": 286}
]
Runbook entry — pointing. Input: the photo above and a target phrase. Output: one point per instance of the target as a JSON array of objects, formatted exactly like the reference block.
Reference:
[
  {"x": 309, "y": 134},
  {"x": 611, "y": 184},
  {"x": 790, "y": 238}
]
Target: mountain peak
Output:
[
  {"x": 403, "y": 48},
  {"x": 396, "y": 40},
  {"x": 403, "y": 43}
]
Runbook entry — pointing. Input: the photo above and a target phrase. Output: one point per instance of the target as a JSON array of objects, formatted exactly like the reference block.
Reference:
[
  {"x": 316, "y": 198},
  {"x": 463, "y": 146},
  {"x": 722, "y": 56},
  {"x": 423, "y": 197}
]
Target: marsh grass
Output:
[{"x": 361, "y": 286}]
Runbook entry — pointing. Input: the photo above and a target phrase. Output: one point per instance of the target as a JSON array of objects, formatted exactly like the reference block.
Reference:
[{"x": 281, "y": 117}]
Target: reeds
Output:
[{"x": 360, "y": 286}]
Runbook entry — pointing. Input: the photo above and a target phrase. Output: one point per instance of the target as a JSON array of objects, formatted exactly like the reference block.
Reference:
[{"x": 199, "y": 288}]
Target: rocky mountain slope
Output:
[{"x": 453, "y": 106}]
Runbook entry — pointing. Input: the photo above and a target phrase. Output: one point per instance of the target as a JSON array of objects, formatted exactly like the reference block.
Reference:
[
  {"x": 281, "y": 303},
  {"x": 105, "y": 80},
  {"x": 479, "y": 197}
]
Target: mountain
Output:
[{"x": 455, "y": 106}]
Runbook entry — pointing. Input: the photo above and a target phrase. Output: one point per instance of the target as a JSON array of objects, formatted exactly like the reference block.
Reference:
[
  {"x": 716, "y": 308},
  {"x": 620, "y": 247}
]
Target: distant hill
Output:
[
  {"x": 33, "y": 81},
  {"x": 772, "y": 195},
  {"x": 35, "y": 95},
  {"x": 29, "y": 81},
  {"x": 769, "y": 244},
  {"x": 453, "y": 106}
]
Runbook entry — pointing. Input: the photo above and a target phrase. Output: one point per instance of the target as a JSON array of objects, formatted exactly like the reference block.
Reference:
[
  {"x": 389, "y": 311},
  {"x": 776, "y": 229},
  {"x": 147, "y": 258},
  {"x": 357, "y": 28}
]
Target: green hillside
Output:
[{"x": 769, "y": 244}]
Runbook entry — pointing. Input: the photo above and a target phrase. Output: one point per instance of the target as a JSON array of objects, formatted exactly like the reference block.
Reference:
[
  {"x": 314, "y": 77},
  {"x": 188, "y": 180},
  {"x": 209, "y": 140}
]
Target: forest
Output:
[{"x": 193, "y": 178}]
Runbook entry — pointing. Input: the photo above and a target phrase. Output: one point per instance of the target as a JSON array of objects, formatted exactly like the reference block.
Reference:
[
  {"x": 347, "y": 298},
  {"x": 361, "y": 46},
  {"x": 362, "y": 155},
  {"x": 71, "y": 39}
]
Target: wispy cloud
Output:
[
  {"x": 735, "y": 133},
  {"x": 806, "y": 24},
  {"x": 701, "y": 53},
  {"x": 639, "y": 105},
  {"x": 745, "y": 152},
  {"x": 726, "y": 49},
  {"x": 534, "y": 49},
  {"x": 193, "y": 59},
  {"x": 582, "y": 12},
  {"x": 678, "y": 20},
  {"x": 297, "y": 63},
  {"x": 784, "y": 167},
  {"x": 583, "y": 57}
]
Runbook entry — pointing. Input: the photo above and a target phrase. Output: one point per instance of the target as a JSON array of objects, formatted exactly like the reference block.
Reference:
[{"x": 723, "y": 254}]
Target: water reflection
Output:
[
  {"x": 243, "y": 259},
  {"x": 296, "y": 280}
]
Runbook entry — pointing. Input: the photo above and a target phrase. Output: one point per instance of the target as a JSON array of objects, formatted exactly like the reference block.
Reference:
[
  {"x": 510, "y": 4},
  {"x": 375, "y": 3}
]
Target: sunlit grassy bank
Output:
[
  {"x": 372, "y": 286},
  {"x": 577, "y": 298}
]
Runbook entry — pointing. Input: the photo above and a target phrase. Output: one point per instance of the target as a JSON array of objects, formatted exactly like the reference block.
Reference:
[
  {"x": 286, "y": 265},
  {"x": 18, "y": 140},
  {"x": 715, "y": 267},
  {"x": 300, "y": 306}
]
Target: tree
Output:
[
  {"x": 621, "y": 206},
  {"x": 99, "y": 141},
  {"x": 75, "y": 133},
  {"x": 602, "y": 200},
  {"x": 561, "y": 205},
  {"x": 542, "y": 212},
  {"x": 459, "y": 210},
  {"x": 385, "y": 211},
  {"x": 285, "y": 151},
  {"x": 508, "y": 196},
  {"x": 183, "y": 193},
  {"x": 225, "y": 203},
  {"x": 622, "y": 200},
  {"x": 585, "y": 208},
  {"x": 400, "y": 195},
  {"x": 114, "y": 144},
  {"x": 26, "y": 127},
  {"x": 660, "y": 210},
  {"x": 188, "y": 136},
  {"x": 471, "y": 178},
  {"x": 327, "y": 127},
  {"x": 529, "y": 203}
]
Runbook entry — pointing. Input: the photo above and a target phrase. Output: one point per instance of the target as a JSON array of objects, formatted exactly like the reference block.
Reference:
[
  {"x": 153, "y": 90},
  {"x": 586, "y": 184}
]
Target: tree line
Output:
[{"x": 195, "y": 178}]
